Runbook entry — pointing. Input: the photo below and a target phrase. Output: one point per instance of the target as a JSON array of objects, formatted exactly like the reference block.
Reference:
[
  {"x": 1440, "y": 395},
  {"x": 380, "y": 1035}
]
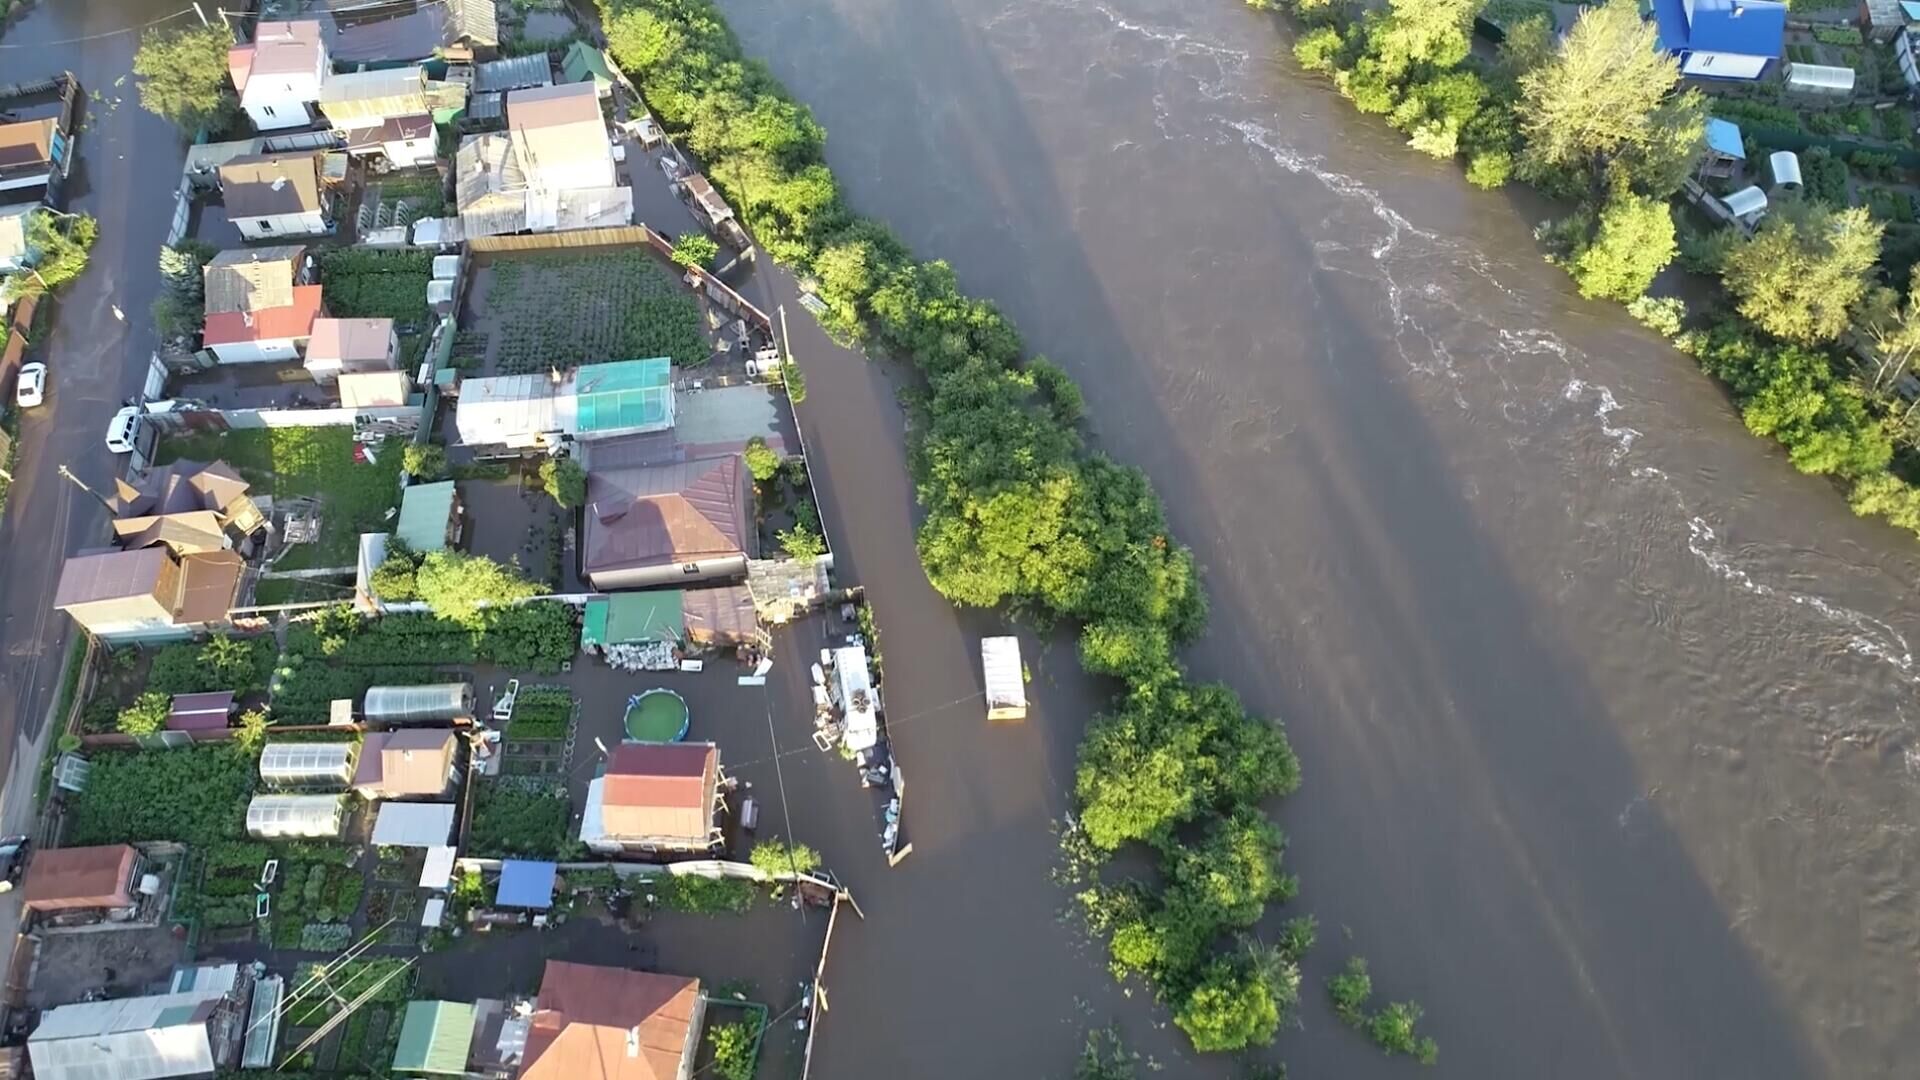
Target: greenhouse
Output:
[
  {"x": 270, "y": 816},
  {"x": 418, "y": 704},
  {"x": 306, "y": 764}
]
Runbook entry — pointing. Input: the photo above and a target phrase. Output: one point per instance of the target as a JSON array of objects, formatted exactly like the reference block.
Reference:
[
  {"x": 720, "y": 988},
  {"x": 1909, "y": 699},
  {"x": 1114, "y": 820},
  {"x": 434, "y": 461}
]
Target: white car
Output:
[
  {"x": 123, "y": 429},
  {"x": 31, "y": 390}
]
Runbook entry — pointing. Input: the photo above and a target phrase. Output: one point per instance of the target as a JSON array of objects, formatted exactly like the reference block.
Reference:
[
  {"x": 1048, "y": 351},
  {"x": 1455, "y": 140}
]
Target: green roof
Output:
[
  {"x": 424, "y": 510},
  {"x": 635, "y": 394},
  {"x": 593, "y": 624},
  {"x": 583, "y": 60},
  {"x": 435, "y": 1037},
  {"x": 641, "y": 616}
]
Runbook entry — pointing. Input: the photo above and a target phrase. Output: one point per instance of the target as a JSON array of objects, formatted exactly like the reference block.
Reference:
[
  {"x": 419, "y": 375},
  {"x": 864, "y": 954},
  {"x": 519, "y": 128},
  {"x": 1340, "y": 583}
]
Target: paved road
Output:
[{"x": 125, "y": 175}]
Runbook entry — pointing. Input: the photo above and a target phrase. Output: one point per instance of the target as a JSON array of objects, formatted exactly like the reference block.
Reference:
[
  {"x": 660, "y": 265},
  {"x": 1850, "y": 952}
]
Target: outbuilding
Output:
[
  {"x": 342, "y": 346},
  {"x": 274, "y": 195},
  {"x": 103, "y": 879},
  {"x": 435, "y": 703},
  {"x": 413, "y": 824}
]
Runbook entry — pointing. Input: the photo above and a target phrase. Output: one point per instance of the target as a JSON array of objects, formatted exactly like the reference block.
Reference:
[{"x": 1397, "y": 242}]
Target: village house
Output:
[
  {"x": 77, "y": 883},
  {"x": 411, "y": 31},
  {"x": 655, "y": 798},
  {"x": 604, "y": 1023},
  {"x": 149, "y": 594},
  {"x": 1722, "y": 39},
  {"x": 31, "y": 152},
  {"x": 194, "y": 1031},
  {"x": 280, "y": 74},
  {"x": 274, "y": 195},
  {"x": 342, "y": 346},
  {"x": 385, "y": 113},
  {"x": 187, "y": 506},
  {"x": 552, "y": 170},
  {"x": 258, "y": 308},
  {"x": 595, "y": 401},
  {"x": 668, "y": 524},
  {"x": 416, "y": 763}
]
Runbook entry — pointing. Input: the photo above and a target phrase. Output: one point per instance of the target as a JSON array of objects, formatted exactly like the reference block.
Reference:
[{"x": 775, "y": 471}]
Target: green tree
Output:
[
  {"x": 763, "y": 462},
  {"x": 1297, "y": 936},
  {"x": 181, "y": 307},
  {"x": 1604, "y": 95},
  {"x": 395, "y": 579},
  {"x": 1633, "y": 243},
  {"x": 802, "y": 543},
  {"x": 733, "y": 1050},
  {"x": 182, "y": 75},
  {"x": 146, "y": 715},
  {"x": 1350, "y": 990},
  {"x": 1234, "y": 870},
  {"x": 60, "y": 244},
  {"x": 565, "y": 480},
  {"x": 1105, "y": 1057},
  {"x": 1392, "y": 1030},
  {"x": 1805, "y": 269},
  {"x": 253, "y": 730},
  {"x": 778, "y": 857},
  {"x": 695, "y": 249},
  {"x": 424, "y": 461},
  {"x": 457, "y": 585},
  {"x": 1412, "y": 35},
  {"x": 1231, "y": 1008}
]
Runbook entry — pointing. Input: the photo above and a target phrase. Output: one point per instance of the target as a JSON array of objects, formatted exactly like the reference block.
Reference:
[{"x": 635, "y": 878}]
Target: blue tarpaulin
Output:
[
  {"x": 1724, "y": 137},
  {"x": 526, "y": 884}
]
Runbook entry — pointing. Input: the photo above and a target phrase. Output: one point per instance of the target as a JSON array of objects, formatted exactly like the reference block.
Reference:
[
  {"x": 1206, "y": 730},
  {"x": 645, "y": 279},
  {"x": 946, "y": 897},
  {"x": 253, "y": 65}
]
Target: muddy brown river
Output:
[{"x": 1605, "y": 712}]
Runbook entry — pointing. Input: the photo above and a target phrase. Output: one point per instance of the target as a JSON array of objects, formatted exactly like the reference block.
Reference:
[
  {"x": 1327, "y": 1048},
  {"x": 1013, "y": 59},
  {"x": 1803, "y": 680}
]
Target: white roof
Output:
[
  {"x": 1785, "y": 165},
  {"x": 141, "y": 1038},
  {"x": 438, "y": 873},
  {"x": 413, "y": 824},
  {"x": 292, "y": 762},
  {"x": 851, "y": 677},
  {"x": 1819, "y": 76},
  {"x": 1749, "y": 200},
  {"x": 433, "y": 911},
  {"x": 502, "y": 407},
  {"x": 1006, "y": 682},
  {"x": 294, "y": 815},
  {"x": 593, "y": 822}
]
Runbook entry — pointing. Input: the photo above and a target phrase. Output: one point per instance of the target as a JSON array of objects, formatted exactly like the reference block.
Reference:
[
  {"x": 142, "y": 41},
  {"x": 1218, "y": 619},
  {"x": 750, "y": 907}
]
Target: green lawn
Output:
[{"x": 289, "y": 463}]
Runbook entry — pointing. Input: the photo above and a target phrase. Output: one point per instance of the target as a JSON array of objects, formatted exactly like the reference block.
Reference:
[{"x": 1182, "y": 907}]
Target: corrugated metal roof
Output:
[
  {"x": 200, "y": 712},
  {"x": 62, "y": 879},
  {"x": 1723, "y": 136},
  {"x": 663, "y": 514},
  {"x": 597, "y": 1023},
  {"x": 424, "y": 512},
  {"x": 141, "y": 1038},
  {"x": 474, "y": 21},
  {"x": 423, "y": 825},
  {"x": 400, "y": 763},
  {"x": 435, "y": 1037},
  {"x": 584, "y": 62},
  {"x": 660, "y": 791},
  {"x": 498, "y": 408},
  {"x": 525, "y": 883},
  {"x": 271, "y": 185},
  {"x": 516, "y": 73},
  {"x": 645, "y": 616}
]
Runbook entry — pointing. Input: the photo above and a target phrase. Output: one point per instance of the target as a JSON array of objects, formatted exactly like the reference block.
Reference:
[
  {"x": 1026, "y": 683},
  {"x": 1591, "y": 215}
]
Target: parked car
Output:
[
  {"x": 14, "y": 852},
  {"x": 122, "y": 430},
  {"x": 31, "y": 390}
]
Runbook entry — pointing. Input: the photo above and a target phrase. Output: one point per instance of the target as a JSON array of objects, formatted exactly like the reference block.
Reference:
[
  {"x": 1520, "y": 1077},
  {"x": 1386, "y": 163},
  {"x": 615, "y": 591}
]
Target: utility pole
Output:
[
  {"x": 786, "y": 351},
  {"x": 202, "y": 14},
  {"x": 77, "y": 482}
]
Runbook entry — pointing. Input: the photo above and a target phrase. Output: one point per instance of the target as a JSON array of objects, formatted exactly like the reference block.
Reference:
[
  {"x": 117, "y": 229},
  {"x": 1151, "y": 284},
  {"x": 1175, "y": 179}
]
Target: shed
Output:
[
  {"x": 516, "y": 73},
  {"x": 200, "y": 712},
  {"x": 1820, "y": 80},
  {"x": 413, "y": 824},
  {"x": 1005, "y": 678},
  {"x": 429, "y": 516},
  {"x": 720, "y": 616},
  {"x": 132, "y": 1038},
  {"x": 271, "y": 816},
  {"x": 418, "y": 704},
  {"x": 1785, "y": 165},
  {"x": 81, "y": 878},
  {"x": 438, "y": 871},
  {"x": 526, "y": 884},
  {"x": 402, "y": 764},
  {"x": 306, "y": 764},
  {"x": 375, "y": 389},
  {"x": 629, "y": 618},
  {"x": 433, "y": 912},
  {"x": 1747, "y": 204},
  {"x": 584, "y": 62},
  {"x": 1724, "y": 148},
  {"x": 435, "y": 1038},
  {"x": 1882, "y": 18}
]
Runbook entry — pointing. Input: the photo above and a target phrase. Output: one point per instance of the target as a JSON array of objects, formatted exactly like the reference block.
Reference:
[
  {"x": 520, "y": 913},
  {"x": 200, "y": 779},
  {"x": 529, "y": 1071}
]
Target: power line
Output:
[{"x": 102, "y": 34}]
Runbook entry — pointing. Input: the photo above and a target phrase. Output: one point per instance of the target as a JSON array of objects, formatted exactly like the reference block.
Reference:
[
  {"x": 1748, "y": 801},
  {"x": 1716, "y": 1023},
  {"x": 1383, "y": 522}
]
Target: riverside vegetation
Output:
[
  {"x": 1810, "y": 341},
  {"x": 1019, "y": 513}
]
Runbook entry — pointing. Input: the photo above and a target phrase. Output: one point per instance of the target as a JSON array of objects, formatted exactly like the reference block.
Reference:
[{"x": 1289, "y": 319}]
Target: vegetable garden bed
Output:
[
  {"x": 520, "y": 818},
  {"x": 196, "y": 795},
  {"x": 562, "y": 311},
  {"x": 364, "y": 284}
]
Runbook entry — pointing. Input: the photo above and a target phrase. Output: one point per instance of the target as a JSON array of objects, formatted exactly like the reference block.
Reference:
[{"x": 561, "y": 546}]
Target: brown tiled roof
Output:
[
  {"x": 63, "y": 879},
  {"x": 658, "y": 515},
  {"x": 271, "y": 184},
  {"x": 412, "y": 762},
  {"x": 184, "y": 533},
  {"x": 602, "y": 1023},
  {"x": 660, "y": 790}
]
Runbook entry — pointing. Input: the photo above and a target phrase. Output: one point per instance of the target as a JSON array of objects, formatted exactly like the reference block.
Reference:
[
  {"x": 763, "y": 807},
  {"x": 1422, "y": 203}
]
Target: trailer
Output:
[{"x": 1005, "y": 677}]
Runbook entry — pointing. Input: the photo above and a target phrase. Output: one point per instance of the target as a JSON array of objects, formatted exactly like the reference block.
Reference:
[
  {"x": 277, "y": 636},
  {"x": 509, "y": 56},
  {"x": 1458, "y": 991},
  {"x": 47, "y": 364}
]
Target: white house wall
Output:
[
  {"x": 1712, "y": 65},
  {"x": 257, "y": 352},
  {"x": 274, "y": 225}
]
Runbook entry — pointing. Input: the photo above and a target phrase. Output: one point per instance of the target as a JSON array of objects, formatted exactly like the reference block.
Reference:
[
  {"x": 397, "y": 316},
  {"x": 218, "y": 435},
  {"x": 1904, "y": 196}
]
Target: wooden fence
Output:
[{"x": 612, "y": 236}]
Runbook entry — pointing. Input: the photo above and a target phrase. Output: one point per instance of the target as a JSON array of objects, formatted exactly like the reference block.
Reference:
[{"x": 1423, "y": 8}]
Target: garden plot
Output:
[
  {"x": 364, "y": 1044},
  {"x": 561, "y": 311},
  {"x": 362, "y": 284}
]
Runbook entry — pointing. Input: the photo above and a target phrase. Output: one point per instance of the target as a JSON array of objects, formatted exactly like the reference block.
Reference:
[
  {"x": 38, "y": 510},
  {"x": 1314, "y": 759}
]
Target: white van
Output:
[{"x": 123, "y": 429}]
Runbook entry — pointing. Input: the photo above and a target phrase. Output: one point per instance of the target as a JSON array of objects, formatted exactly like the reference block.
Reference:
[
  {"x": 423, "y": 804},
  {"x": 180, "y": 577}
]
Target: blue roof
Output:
[
  {"x": 1724, "y": 137},
  {"x": 525, "y": 884},
  {"x": 1910, "y": 9},
  {"x": 1736, "y": 27}
]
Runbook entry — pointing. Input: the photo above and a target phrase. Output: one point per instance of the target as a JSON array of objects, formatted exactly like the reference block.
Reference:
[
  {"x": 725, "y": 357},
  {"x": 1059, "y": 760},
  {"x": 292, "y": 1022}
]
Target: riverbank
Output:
[{"x": 1793, "y": 295}]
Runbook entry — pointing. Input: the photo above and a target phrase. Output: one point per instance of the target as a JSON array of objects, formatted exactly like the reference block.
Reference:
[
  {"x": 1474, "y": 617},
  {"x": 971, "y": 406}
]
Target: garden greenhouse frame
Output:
[
  {"x": 285, "y": 764},
  {"x": 418, "y": 704},
  {"x": 270, "y": 816}
]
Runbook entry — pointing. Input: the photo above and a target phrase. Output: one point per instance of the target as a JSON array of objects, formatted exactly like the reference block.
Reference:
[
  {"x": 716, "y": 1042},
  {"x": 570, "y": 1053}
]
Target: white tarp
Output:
[
  {"x": 413, "y": 824},
  {"x": 438, "y": 873}
]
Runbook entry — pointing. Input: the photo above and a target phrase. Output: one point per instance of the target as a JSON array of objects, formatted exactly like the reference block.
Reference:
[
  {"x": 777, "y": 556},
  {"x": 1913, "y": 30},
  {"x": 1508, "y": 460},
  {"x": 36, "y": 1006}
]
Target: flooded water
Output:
[{"x": 1605, "y": 711}]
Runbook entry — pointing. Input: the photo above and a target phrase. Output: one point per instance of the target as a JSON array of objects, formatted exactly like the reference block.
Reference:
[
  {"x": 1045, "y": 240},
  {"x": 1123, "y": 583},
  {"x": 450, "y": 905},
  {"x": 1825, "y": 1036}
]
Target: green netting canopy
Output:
[
  {"x": 629, "y": 618},
  {"x": 626, "y": 395},
  {"x": 435, "y": 1038}
]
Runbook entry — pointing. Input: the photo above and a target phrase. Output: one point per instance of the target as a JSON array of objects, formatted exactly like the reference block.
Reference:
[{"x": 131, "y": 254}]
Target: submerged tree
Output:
[
  {"x": 183, "y": 77},
  {"x": 1633, "y": 243},
  {"x": 1805, "y": 269},
  {"x": 61, "y": 244}
]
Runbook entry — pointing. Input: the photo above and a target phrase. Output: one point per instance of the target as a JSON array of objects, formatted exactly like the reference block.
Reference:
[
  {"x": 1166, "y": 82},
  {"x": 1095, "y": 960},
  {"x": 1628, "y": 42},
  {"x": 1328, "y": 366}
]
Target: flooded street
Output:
[{"x": 1604, "y": 709}]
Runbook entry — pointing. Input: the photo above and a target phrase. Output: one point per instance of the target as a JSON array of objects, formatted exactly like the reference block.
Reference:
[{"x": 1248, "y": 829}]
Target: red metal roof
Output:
[{"x": 272, "y": 324}]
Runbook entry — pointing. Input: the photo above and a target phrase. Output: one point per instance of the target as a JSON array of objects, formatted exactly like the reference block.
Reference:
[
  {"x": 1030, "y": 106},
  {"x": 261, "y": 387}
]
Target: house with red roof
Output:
[
  {"x": 258, "y": 308},
  {"x": 603, "y": 1023}
]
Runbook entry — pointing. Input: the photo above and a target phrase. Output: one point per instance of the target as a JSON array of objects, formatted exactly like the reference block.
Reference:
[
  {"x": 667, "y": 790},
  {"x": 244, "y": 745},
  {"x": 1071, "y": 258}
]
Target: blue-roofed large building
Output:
[{"x": 1721, "y": 39}]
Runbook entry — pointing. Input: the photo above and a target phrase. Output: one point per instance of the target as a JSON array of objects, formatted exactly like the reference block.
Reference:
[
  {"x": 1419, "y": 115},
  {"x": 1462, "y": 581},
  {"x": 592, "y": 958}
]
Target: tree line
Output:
[
  {"x": 1810, "y": 337},
  {"x": 1020, "y": 513}
]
